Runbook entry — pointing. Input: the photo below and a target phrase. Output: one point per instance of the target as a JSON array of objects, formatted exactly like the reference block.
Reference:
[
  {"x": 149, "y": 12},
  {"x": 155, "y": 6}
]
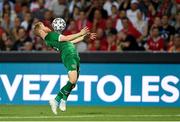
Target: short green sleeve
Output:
[{"x": 52, "y": 36}]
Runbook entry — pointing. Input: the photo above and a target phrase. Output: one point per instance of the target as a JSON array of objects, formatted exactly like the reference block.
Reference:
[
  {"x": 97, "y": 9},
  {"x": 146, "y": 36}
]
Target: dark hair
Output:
[
  {"x": 19, "y": 28},
  {"x": 124, "y": 18},
  {"x": 153, "y": 28},
  {"x": 113, "y": 31},
  {"x": 9, "y": 10}
]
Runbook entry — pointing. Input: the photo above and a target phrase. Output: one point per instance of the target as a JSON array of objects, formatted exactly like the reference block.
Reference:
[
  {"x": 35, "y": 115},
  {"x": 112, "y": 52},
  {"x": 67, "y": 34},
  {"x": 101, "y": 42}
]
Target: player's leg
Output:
[
  {"x": 66, "y": 90},
  {"x": 73, "y": 75},
  {"x": 71, "y": 83},
  {"x": 72, "y": 64}
]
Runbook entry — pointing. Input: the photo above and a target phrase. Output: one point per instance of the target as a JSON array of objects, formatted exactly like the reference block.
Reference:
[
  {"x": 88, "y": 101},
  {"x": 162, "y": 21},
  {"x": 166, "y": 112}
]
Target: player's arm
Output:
[
  {"x": 81, "y": 38},
  {"x": 92, "y": 36},
  {"x": 71, "y": 37}
]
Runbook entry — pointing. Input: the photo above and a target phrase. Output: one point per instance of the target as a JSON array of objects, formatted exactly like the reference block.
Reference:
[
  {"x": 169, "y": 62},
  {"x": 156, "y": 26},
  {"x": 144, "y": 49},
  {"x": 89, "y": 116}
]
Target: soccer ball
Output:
[{"x": 58, "y": 24}]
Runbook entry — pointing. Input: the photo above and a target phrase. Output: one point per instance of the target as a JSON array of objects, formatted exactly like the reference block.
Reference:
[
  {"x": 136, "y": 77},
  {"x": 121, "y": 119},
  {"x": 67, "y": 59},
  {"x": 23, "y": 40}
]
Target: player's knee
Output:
[
  {"x": 73, "y": 76},
  {"x": 73, "y": 80}
]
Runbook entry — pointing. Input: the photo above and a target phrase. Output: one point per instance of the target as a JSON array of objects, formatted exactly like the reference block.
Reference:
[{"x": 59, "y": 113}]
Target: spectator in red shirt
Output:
[
  {"x": 95, "y": 46},
  {"x": 102, "y": 37},
  {"x": 109, "y": 26},
  {"x": 155, "y": 42},
  {"x": 114, "y": 15},
  {"x": 72, "y": 28},
  {"x": 129, "y": 29},
  {"x": 151, "y": 14},
  {"x": 100, "y": 44},
  {"x": 83, "y": 21},
  {"x": 111, "y": 40},
  {"x": 98, "y": 21}
]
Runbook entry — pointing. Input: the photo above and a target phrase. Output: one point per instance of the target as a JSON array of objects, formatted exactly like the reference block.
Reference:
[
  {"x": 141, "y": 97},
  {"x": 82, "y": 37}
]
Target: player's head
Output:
[{"x": 38, "y": 27}]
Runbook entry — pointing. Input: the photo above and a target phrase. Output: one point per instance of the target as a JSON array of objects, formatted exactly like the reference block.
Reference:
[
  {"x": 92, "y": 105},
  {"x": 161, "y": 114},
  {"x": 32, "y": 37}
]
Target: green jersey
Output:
[{"x": 65, "y": 47}]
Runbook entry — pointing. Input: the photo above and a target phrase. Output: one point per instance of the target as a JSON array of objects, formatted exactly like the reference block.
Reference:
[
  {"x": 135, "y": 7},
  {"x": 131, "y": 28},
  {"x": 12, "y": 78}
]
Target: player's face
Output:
[{"x": 44, "y": 28}]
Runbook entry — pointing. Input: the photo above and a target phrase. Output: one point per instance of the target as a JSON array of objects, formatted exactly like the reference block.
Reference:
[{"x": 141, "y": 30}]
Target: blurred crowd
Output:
[{"x": 121, "y": 25}]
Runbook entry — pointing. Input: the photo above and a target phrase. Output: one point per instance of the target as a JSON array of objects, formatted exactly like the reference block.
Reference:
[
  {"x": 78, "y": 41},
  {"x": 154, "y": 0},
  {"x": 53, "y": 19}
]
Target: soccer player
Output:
[{"x": 69, "y": 56}]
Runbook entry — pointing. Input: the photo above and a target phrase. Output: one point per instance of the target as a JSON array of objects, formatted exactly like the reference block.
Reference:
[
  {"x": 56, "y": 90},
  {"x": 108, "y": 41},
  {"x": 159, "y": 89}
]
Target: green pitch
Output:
[{"x": 88, "y": 113}]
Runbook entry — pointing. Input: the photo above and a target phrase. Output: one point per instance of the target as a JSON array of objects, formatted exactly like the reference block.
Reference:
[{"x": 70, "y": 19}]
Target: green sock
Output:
[
  {"x": 65, "y": 91},
  {"x": 59, "y": 97}
]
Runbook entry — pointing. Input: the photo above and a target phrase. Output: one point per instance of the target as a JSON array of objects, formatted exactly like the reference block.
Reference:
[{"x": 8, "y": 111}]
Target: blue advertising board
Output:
[{"x": 98, "y": 84}]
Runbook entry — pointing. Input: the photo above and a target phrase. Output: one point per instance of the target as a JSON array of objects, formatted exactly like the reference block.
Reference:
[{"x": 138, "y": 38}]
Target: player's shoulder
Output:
[
  {"x": 51, "y": 35},
  {"x": 52, "y": 32}
]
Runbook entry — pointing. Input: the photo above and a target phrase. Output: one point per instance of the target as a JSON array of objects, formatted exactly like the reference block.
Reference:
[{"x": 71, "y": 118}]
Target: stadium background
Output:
[{"x": 134, "y": 38}]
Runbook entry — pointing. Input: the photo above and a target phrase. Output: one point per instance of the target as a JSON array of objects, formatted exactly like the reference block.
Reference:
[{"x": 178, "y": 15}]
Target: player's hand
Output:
[
  {"x": 92, "y": 36},
  {"x": 84, "y": 31}
]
